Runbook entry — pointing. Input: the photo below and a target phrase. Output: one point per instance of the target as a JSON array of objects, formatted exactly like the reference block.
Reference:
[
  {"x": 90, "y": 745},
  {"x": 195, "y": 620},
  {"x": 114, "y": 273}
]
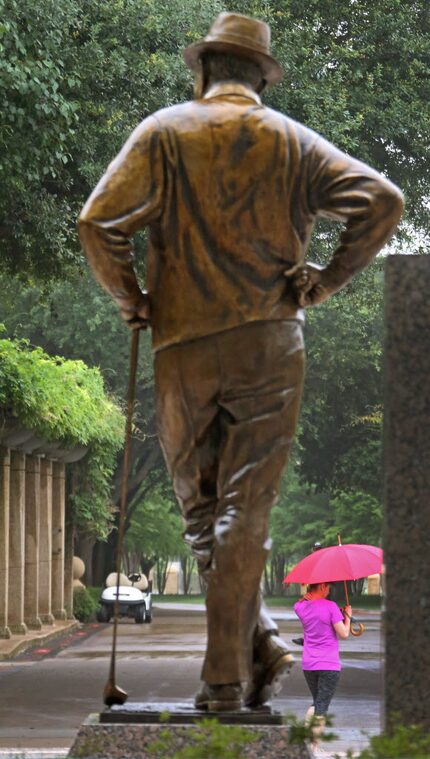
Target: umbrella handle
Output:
[{"x": 358, "y": 630}]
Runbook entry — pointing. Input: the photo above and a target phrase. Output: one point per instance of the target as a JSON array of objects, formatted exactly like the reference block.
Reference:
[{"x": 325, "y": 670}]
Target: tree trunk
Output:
[
  {"x": 357, "y": 587},
  {"x": 187, "y": 566},
  {"x": 161, "y": 572},
  {"x": 279, "y": 564},
  {"x": 86, "y": 545},
  {"x": 337, "y": 592},
  {"x": 147, "y": 563},
  {"x": 104, "y": 558}
]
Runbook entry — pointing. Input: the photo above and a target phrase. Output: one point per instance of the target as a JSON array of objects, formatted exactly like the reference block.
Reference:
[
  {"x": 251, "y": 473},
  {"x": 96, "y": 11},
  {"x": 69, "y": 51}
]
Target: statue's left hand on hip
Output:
[{"x": 308, "y": 284}]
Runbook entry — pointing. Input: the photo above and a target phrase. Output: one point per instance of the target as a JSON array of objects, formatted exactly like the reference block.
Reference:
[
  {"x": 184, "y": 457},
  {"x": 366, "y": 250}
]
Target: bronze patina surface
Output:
[{"x": 230, "y": 191}]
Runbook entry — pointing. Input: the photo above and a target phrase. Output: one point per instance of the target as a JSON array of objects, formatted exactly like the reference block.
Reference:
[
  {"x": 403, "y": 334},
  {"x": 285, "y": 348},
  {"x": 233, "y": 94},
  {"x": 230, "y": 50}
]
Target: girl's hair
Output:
[{"x": 316, "y": 585}]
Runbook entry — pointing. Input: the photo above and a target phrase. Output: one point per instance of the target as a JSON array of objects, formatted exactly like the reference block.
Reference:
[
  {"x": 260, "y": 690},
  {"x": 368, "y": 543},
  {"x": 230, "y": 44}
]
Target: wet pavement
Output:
[{"x": 46, "y": 692}]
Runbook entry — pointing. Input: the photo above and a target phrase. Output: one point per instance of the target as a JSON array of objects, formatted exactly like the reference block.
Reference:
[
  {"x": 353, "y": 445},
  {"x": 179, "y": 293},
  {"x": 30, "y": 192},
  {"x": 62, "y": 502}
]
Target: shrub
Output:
[
  {"x": 206, "y": 740},
  {"x": 84, "y": 605},
  {"x": 402, "y": 742}
]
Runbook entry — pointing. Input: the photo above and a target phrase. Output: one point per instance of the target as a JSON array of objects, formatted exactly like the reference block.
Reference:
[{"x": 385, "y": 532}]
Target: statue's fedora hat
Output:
[{"x": 241, "y": 35}]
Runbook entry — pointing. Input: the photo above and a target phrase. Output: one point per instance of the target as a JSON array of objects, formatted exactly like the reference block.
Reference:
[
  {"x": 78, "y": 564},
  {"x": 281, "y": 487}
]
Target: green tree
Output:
[
  {"x": 155, "y": 534},
  {"x": 299, "y": 519},
  {"x": 76, "y": 77},
  {"x": 357, "y": 72},
  {"x": 357, "y": 516},
  {"x": 341, "y": 419}
]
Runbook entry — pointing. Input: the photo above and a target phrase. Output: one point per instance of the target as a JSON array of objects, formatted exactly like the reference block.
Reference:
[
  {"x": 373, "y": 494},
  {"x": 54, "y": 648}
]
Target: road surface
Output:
[{"x": 45, "y": 694}]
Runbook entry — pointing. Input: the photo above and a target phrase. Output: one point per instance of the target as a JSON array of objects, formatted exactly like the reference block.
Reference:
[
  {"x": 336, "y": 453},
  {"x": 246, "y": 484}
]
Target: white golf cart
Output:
[{"x": 134, "y": 595}]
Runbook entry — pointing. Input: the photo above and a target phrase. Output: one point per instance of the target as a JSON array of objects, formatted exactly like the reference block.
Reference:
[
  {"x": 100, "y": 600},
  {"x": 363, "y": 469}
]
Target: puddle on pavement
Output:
[{"x": 135, "y": 655}]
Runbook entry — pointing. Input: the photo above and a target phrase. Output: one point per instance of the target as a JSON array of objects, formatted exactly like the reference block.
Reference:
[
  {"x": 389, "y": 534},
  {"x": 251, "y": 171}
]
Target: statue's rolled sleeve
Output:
[
  {"x": 127, "y": 198},
  {"x": 369, "y": 205}
]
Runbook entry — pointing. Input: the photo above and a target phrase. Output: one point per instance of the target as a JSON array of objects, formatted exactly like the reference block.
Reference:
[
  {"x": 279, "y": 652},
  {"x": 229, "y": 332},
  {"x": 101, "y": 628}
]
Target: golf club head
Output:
[{"x": 113, "y": 695}]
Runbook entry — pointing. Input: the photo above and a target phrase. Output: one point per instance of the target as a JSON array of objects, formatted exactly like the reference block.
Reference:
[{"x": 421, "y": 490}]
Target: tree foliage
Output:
[
  {"x": 78, "y": 75},
  {"x": 358, "y": 73},
  {"x": 61, "y": 400},
  {"x": 341, "y": 420},
  {"x": 154, "y": 536}
]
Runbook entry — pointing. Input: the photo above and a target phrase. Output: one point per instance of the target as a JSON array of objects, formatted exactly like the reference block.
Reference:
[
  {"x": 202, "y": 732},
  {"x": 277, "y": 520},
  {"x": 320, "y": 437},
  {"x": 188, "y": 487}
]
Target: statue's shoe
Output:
[
  {"x": 272, "y": 664},
  {"x": 219, "y": 698}
]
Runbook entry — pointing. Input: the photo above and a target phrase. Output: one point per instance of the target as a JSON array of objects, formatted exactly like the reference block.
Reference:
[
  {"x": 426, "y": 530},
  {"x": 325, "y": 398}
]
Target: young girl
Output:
[{"x": 323, "y": 623}]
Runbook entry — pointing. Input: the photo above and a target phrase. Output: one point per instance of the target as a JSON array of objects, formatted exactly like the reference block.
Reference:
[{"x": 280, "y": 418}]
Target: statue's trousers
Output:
[{"x": 227, "y": 408}]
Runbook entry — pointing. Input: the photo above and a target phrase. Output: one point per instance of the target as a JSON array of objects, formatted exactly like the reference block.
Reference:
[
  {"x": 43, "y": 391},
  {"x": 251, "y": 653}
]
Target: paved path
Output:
[{"x": 45, "y": 695}]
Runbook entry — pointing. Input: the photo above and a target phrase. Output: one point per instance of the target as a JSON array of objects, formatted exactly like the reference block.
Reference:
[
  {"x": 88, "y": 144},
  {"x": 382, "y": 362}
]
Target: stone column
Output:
[
  {"x": 32, "y": 537},
  {"x": 68, "y": 550},
  {"x": 17, "y": 543},
  {"x": 4, "y": 541},
  {"x": 58, "y": 527},
  {"x": 407, "y": 489},
  {"x": 45, "y": 543}
]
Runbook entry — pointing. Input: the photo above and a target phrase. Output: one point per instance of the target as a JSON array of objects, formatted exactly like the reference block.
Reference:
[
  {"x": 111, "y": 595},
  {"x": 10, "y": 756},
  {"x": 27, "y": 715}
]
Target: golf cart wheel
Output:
[
  {"x": 140, "y": 614},
  {"x": 103, "y": 614},
  {"x": 148, "y": 617}
]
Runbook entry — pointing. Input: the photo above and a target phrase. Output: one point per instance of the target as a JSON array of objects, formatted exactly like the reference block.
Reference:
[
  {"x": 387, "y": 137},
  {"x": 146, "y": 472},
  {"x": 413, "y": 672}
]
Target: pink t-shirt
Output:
[{"x": 321, "y": 648}]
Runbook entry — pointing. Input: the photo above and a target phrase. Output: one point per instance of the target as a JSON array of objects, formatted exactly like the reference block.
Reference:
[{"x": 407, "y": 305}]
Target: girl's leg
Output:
[
  {"x": 311, "y": 677},
  {"x": 309, "y": 715},
  {"x": 326, "y": 686}
]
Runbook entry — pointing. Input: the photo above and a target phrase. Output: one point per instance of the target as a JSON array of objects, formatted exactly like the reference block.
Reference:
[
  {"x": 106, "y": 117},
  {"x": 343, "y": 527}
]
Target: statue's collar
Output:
[{"x": 224, "y": 89}]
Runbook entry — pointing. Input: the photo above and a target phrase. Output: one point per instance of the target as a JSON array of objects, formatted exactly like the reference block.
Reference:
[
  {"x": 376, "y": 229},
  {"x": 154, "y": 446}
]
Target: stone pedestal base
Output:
[
  {"x": 5, "y": 633},
  {"x": 47, "y": 619},
  {"x": 162, "y": 730},
  {"x": 18, "y": 629},
  {"x": 34, "y": 623},
  {"x": 60, "y": 614}
]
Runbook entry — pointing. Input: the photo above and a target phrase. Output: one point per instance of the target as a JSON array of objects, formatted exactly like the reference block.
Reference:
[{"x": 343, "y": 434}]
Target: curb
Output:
[{"x": 18, "y": 646}]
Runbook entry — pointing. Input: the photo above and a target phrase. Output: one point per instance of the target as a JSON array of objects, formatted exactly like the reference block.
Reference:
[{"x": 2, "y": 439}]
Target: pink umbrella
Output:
[{"x": 341, "y": 562}]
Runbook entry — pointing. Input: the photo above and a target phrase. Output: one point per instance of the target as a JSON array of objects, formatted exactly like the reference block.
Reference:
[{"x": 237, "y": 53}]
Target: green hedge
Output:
[
  {"x": 60, "y": 399},
  {"x": 65, "y": 401},
  {"x": 84, "y": 605}
]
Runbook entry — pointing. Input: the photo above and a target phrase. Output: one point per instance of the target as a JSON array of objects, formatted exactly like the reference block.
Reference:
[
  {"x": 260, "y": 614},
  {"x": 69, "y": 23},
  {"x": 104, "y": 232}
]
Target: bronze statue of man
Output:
[{"x": 230, "y": 190}]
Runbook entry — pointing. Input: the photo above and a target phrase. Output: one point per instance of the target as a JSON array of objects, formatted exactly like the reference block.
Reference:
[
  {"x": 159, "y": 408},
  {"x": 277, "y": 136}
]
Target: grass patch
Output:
[
  {"x": 357, "y": 602},
  {"x": 178, "y": 598},
  {"x": 366, "y": 602},
  {"x": 287, "y": 601}
]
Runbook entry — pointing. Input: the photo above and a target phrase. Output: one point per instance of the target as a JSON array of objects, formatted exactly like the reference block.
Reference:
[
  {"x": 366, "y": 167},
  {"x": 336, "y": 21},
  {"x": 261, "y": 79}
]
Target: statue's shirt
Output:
[{"x": 229, "y": 190}]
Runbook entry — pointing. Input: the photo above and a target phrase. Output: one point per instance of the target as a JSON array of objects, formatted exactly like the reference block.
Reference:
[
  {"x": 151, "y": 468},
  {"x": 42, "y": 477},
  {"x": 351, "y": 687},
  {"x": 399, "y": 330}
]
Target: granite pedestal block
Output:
[
  {"x": 161, "y": 730},
  {"x": 407, "y": 489}
]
